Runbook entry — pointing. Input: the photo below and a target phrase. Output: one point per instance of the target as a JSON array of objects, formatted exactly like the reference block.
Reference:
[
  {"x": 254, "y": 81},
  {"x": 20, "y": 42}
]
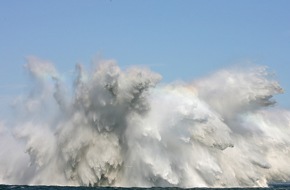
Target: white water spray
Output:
[{"x": 119, "y": 128}]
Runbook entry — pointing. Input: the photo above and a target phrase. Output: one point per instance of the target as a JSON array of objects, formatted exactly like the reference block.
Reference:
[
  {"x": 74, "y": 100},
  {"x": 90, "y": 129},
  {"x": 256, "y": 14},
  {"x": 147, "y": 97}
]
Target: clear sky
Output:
[{"x": 180, "y": 39}]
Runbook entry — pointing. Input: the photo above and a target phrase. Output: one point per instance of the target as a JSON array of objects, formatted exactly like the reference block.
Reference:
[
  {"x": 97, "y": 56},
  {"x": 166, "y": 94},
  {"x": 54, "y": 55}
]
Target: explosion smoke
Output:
[{"x": 120, "y": 128}]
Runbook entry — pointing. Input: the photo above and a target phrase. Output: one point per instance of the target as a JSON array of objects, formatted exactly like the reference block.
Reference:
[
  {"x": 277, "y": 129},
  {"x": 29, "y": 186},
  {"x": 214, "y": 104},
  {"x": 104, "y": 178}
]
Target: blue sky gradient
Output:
[{"x": 182, "y": 40}]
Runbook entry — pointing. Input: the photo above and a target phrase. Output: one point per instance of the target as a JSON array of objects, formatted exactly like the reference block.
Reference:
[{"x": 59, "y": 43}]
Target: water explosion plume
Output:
[{"x": 122, "y": 128}]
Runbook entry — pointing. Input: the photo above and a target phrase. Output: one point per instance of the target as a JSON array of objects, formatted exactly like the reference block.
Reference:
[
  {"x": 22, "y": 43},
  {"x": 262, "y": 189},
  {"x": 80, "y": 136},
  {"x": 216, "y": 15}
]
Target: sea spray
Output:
[{"x": 118, "y": 127}]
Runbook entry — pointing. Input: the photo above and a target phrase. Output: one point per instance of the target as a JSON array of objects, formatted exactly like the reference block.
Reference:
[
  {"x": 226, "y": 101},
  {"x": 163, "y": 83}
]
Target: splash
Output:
[{"x": 122, "y": 128}]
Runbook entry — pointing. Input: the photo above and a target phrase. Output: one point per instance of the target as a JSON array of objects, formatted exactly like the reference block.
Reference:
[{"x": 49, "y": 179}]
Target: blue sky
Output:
[{"x": 182, "y": 40}]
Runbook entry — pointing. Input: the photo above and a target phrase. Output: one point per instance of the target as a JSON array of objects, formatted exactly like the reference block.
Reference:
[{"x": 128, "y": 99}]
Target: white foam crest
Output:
[{"x": 120, "y": 128}]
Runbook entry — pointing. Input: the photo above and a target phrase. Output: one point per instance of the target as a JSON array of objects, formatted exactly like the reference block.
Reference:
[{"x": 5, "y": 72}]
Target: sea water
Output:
[
  {"x": 24, "y": 187},
  {"x": 126, "y": 128}
]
